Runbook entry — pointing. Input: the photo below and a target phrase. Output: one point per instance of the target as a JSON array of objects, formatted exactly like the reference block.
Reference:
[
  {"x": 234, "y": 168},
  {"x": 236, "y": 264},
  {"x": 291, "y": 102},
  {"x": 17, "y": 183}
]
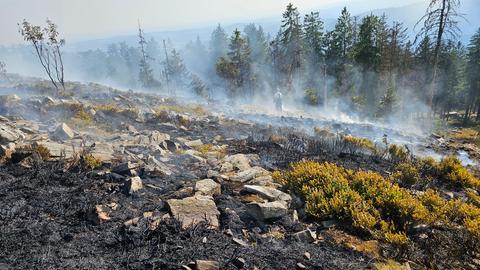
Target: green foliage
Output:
[
  {"x": 236, "y": 69},
  {"x": 389, "y": 265},
  {"x": 311, "y": 96},
  {"x": 358, "y": 103},
  {"x": 47, "y": 44},
  {"x": 353, "y": 143},
  {"x": 451, "y": 171},
  {"x": 370, "y": 203},
  {"x": 176, "y": 70},
  {"x": 323, "y": 132},
  {"x": 387, "y": 102},
  {"x": 84, "y": 116},
  {"x": 218, "y": 44},
  {"x": 199, "y": 87},
  {"x": 406, "y": 173},
  {"x": 399, "y": 153},
  {"x": 91, "y": 162},
  {"x": 145, "y": 74},
  {"x": 290, "y": 40}
]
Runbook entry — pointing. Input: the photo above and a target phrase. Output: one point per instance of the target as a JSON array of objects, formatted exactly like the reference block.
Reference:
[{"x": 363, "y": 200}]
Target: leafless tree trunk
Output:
[{"x": 439, "y": 20}]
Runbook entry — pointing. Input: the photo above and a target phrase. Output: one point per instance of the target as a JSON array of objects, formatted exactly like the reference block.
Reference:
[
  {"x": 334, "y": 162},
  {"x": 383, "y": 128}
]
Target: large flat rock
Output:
[
  {"x": 193, "y": 210},
  {"x": 9, "y": 133},
  {"x": 268, "y": 210},
  {"x": 58, "y": 149},
  {"x": 102, "y": 151},
  {"x": 249, "y": 174},
  {"x": 239, "y": 161},
  {"x": 268, "y": 193}
]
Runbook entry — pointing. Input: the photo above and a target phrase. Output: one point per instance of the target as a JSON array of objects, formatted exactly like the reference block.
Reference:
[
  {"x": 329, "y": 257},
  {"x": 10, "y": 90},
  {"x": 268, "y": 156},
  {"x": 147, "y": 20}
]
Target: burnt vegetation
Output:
[{"x": 96, "y": 178}]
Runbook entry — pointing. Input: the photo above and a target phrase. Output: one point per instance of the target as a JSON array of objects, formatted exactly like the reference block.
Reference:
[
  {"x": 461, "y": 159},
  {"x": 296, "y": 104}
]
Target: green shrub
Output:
[
  {"x": 370, "y": 203},
  {"x": 323, "y": 132},
  {"x": 311, "y": 96},
  {"x": 398, "y": 153},
  {"x": 91, "y": 162},
  {"x": 451, "y": 170},
  {"x": 353, "y": 143},
  {"x": 406, "y": 173}
]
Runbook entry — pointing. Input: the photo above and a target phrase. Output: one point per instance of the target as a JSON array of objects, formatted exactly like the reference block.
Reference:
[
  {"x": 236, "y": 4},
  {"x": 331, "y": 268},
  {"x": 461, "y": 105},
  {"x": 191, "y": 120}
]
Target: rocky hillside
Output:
[{"x": 96, "y": 178}]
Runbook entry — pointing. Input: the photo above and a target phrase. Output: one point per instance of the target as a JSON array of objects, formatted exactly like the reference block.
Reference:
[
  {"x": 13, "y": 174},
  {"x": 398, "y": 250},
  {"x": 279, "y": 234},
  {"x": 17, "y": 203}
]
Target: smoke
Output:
[{"x": 118, "y": 66}]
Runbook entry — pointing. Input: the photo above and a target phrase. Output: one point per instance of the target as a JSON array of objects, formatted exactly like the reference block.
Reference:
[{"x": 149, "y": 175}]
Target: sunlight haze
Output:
[{"x": 98, "y": 18}]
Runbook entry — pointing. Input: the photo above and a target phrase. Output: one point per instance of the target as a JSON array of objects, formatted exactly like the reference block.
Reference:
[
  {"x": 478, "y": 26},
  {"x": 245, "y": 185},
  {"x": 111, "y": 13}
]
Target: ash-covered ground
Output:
[{"x": 97, "y": 178}]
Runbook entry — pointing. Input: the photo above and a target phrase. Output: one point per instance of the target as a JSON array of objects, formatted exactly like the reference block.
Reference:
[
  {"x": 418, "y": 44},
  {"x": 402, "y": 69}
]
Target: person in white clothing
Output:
[{"x": 277, "y": 98}]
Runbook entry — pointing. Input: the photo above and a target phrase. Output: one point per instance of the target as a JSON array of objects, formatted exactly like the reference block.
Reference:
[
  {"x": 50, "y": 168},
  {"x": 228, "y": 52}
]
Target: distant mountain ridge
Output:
[{"x": 408, "y": 15}]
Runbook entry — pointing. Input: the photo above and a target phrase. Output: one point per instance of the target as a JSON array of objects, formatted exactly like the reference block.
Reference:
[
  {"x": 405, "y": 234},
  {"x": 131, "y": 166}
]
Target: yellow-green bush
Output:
[
  {"x": 473, "y": 197},
  {"x": 354, "y": 143},
  {"x": 427, "y": 166},
  {"x": 42, "y": 151},
  {"x": 311, "y": 96},
  {"x": 371, "y": 203},
  {"x": 84, "y": 116},
  {"x": 389, "y": 265},
  {"x": 406, "y": 173},
  {"x": 91, "y": 162},
  {"x": 398, "y": 153},
  {"x": 107, "y": 108},
  {"x": 323, "y": 132},
  {"x": 451, "y": 170}
]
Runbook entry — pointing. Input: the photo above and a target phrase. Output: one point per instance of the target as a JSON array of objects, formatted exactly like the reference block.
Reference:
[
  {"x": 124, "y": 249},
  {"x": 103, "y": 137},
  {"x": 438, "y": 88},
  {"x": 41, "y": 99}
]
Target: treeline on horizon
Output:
[{"x": 363, "y": 65}]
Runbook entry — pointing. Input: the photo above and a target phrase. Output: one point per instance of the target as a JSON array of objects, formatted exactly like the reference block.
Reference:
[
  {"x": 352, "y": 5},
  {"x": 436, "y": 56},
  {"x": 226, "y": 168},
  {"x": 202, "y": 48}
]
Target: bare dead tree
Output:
[
  {"x": 440, "y": 20},
  {"x": 3, "y": 69},
  {"x": 47, "y": 44}
]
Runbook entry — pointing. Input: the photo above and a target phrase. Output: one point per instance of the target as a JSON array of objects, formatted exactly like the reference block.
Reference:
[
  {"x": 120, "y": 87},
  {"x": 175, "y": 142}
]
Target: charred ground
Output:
[{"x": 60, "y": 213}]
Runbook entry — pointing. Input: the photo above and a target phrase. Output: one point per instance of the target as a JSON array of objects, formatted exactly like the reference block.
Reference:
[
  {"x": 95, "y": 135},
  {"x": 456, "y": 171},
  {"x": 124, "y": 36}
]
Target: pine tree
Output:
[
  {"x": 257, "y": 42},
  {"x": 218, "y": 44},
  {"x": 342, "y": 37},
  {"x": 339, "y": 53},
  {"x": 291, "y": 37},
  {"x": 176, "y": 70},
  {"x": 314, "y": 42},
  {"x": 198, "y": 86},
  {"x": 236, "y": 68},
  {"x": 145, "y": 74},
  {"x": 473, "y": 77},
  {"x": 367, "y": 55},
  {"x": 423, "y": 63},
  {"x": 196, "y": 56}
]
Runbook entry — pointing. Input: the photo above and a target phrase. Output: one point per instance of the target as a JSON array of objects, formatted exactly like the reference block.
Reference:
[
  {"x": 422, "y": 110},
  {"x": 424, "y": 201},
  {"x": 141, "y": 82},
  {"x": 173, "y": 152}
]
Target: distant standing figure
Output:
[{"x": 277, "y": 98}]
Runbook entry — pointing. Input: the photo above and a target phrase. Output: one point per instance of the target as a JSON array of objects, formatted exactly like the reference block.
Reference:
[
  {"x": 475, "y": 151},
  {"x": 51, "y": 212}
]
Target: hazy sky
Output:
[{"x": 84, "y": 19}]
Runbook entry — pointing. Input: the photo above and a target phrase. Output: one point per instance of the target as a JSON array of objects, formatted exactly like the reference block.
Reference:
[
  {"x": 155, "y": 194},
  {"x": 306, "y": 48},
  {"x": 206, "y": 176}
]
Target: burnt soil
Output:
[{"x": 45, "y": 225}]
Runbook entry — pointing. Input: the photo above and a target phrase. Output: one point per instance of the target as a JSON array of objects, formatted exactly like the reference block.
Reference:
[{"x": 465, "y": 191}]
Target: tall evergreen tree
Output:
[
  {"x": 291, "y": 37},
  {"x": 218, "y": 44},
  {"x": 257, "y": 42},
  {"x": 473, "y": 77},
  {"x": 367, "y": 55},
  {"x": 145, "y": 74},
  {"x": 342, "y": 37},
  {"x": 196, "y": 56},
  {"x": 236, "y": 68},
  {"x": 339, "y": 53},
  {"x": 314, "y": 42},
  {"x": 177, "y": 72}
]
